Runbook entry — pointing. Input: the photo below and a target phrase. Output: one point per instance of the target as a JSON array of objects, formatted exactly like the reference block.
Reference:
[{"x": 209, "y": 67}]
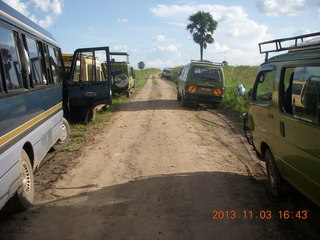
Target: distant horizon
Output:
[{"x": 155, "y": 31}]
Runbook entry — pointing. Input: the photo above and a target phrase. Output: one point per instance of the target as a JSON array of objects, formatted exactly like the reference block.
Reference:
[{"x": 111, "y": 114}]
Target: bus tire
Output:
[
  {"x": 64, "y": 136},
  {"x": 24, "y": 196}
]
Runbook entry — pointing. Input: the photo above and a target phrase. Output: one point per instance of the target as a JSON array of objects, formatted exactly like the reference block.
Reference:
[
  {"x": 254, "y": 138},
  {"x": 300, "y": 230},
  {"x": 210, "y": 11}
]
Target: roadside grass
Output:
[
  {"x": 78, "y": 130},
  {"x": 235, "y": 75}
]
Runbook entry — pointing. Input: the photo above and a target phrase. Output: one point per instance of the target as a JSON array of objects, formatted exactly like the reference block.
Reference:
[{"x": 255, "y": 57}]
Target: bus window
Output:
[
  {"x": 1, "y": 81},
  {"x": 10, "y": 59},
  {"x": 47, "y": 64},
  {"x": 35, "y": 58},
  {"x": 54, "y": 65}
]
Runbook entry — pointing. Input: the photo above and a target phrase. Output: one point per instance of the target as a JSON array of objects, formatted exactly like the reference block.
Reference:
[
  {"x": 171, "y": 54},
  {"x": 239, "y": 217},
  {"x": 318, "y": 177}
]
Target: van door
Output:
[
  {"x": 298, "y": 128},
  {"x": 261, "y": 111},
  {"x": 89, "y": 84}
]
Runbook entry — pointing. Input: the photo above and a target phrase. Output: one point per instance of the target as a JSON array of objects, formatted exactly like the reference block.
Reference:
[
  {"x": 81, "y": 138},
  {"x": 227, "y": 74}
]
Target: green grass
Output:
[
  {"x": 143, "y": 75},
  {"x": 154, "y": 82},
  {"x": 234, "y": 76}
]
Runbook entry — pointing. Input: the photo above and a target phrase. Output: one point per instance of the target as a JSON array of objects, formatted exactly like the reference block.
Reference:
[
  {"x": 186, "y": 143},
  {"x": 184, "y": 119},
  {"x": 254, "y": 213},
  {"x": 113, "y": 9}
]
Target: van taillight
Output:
[
  {"x": 191, "y": 89},
  {"x": 218, "y": 92}
]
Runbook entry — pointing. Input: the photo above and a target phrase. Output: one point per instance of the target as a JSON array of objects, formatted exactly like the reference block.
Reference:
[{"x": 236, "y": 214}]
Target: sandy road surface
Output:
[{"x": 158, "y": 171}]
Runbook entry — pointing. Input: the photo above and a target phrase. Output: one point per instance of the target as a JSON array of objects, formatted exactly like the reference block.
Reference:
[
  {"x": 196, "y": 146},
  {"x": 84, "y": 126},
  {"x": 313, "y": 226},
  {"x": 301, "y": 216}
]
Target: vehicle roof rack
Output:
[
  {"x": 282, "y": 44},
  {"x": 206, "y": 61}
]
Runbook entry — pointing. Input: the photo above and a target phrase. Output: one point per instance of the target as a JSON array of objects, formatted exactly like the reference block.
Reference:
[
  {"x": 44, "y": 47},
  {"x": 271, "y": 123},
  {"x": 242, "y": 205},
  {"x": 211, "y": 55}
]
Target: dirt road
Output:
[{"x": 159, "y": 171}]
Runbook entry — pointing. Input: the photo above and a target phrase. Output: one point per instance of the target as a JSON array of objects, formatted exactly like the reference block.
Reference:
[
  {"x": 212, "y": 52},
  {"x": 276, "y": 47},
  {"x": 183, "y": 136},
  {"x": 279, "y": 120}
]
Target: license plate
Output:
[{"x": 205, "y": 89}]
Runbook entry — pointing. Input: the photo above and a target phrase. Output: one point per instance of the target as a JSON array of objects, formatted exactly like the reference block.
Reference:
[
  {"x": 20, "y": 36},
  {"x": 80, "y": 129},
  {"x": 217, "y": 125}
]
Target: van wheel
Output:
[
  {"x": 64, "y": 136},
  {"x": 246, "y": 128},
  {"x": 24, "y": 196},
  {"x": 178, "y": 97},
  {"x": 91, "y": 115},
  {"x": 184, "y": 102},
  {"x": 275, "y": 183}
]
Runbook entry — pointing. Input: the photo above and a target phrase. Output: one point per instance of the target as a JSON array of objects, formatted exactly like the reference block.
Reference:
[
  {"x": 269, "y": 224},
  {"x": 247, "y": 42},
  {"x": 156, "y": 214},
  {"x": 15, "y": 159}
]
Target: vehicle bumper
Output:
[{"x": 203, "y": 98}]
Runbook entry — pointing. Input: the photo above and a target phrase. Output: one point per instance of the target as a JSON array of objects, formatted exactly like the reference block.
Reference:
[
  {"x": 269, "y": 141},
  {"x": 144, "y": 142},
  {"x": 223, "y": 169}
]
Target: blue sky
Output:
[{"x": 154, "y": 31}]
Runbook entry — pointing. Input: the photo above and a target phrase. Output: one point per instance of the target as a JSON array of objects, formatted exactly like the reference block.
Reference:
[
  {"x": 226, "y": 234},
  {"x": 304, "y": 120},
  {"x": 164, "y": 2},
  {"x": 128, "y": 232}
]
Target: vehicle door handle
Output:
[
  {"x": 282, "y": 129},
  {"x": 90, "y": 94},
  {"x": 270, "y": 116}
]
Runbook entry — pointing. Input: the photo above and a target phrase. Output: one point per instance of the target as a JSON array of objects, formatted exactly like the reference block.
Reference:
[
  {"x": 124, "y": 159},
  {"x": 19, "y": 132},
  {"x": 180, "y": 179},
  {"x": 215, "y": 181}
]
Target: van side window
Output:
[
  {"x": 9, "y": 59},
  {"x": 300, "y": 92},
  {"x": 88, "y": 67},
  {"x": 264, "y": 85},
  {"x": 185, "y": 73}
]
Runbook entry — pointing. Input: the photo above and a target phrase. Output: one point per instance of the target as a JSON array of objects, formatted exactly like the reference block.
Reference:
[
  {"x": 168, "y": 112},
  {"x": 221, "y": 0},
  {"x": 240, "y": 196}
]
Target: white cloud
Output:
[
  {"x": 91, "y": 28},
  {"x": 159, "y": 63},
  {"x": 120, "y": 48},
  {"x": 235, "y": 28},
  {"x": 122, "y": 20},
  {"x": 282, "y": 7},
  {"x": 165, "y": 56},
  {"x": 47, "y": 22},
  {"x": 160, "y": 38},
  {"x": 220, "y": 52},
  {"x": 169, "y": 48},
  {"x": 46, "y": 5},
  {"x": 51, "y": 8}
]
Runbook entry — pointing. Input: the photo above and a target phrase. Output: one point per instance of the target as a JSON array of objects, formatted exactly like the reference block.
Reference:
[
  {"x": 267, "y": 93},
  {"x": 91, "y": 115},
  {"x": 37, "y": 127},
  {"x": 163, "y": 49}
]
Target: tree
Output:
[
  {"x": 225, "y": 63},
  {"x": 202, "y": 26},
  {"x": 141, "y": 65}
]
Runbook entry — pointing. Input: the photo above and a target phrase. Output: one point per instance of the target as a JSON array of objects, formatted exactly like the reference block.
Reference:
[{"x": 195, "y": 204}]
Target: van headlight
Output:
[{"x": 121, "y": 81}]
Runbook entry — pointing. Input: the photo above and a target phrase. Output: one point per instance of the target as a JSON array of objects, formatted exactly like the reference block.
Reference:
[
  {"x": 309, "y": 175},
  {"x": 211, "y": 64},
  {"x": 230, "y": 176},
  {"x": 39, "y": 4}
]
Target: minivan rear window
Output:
[{"x": 206, "y": 73}]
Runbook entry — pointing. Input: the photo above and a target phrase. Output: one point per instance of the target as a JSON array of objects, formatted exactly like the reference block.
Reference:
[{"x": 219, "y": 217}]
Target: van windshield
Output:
[{"x": 206, "y": 73}]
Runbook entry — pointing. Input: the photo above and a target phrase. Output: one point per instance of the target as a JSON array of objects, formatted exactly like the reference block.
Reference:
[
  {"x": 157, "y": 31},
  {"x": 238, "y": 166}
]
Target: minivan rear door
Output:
[{"x": 89, "y": 84}]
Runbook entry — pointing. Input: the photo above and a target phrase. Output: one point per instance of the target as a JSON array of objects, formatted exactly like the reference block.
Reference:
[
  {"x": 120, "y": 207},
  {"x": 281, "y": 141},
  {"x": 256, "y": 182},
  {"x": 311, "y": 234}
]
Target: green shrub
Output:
[{"x": 235, "y": 75}]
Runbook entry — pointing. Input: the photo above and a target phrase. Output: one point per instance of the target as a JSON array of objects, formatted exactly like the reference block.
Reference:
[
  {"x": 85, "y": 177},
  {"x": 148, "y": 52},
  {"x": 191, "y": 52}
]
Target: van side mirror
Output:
[{"x": 240, "y": 90}]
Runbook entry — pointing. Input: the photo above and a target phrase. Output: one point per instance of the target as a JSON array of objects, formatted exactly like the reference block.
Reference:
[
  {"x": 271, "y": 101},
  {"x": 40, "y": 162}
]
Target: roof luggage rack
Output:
[
  {"x": 206, "y": 61},
  {"x": 282, "y": 44}
]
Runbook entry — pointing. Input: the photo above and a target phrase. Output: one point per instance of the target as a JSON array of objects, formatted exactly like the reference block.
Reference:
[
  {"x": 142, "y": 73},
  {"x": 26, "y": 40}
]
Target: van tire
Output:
[
  {"x": 24, "y": 196},
  {"x": 275, "y": 183},
  {"x": 91, "y": 115},
  {"x": 184, "y": 102},
  {"x": 178, "y": 97},
  {"x": 64, "y": 136}
]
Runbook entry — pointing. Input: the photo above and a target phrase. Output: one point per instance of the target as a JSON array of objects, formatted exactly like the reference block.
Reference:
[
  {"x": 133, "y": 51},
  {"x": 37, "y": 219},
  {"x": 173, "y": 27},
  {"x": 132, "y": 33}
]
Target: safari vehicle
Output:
[
  {"x": 201, "y": 82},
  {"x": 284, "y": 114},
  {"x": 88, "y": 85},
  {"x": 122, "y": 73},
  {"x": 166, "y": 73}
]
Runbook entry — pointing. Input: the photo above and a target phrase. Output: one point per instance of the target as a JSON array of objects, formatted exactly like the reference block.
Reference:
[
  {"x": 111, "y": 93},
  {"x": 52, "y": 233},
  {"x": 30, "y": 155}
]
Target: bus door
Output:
[{"x": 89, "y": 83}]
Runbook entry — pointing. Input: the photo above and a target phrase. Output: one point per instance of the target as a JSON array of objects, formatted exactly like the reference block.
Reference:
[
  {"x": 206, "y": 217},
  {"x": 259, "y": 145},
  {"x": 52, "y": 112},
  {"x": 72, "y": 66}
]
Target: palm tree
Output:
[{"x": 202, "y": 26}]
